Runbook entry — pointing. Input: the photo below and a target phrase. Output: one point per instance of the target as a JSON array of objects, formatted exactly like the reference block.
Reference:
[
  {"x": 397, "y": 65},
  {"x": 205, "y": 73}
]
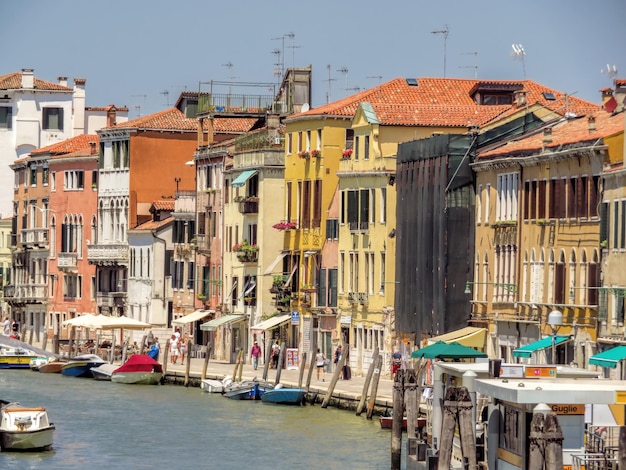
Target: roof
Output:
[
  {"x": 446, "y": 102},
  {"x": 13, "y": 81},
  {"x": 564, "y": 132},
  {"x": 74, "y": 144},
  {"x": 163, "y": 204},
  {"x": 174, "y": 119},
  {"x": 152, "y": 225}
]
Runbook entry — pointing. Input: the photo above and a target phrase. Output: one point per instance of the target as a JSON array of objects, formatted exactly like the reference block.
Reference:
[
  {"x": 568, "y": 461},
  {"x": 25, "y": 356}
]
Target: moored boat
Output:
[
  {"x": 103, "y": 371},
  {"x": 16, "y": 358},
  {"x": 386, "y": 422},
  {"x": 80, "y": 366},
  {"x": 139, "y": 369},
  {"x": 37, "y": 362},
  {"x": 247, "y": 390},
  {"x": 284, "y": 396},
  {"x": 52, "y": 367},
  {"x": 25, "y": 429},
  {"x": 214, "y": 385}
]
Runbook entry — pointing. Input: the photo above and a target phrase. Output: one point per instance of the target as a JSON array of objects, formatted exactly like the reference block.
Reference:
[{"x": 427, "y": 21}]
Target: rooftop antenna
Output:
[
  {"x": 354, "y": 88},
  {"x": 379, "y": 77},
  {"x": 329, "y": 80},
  {"x": 293, "y": 48},
  {"x": 281, "y": 52},
  {"x": 444, "y": 32},
  {"x": 519, "y": 54},
  {"x": 344, "y": 70},
  {"x": 475, "y": 66},
  {"x": 167, "y": 97},
  {"x": 138, "y": 106},
  {"x": 610, "y": 71},
  {"x": 229, "y": 65}
]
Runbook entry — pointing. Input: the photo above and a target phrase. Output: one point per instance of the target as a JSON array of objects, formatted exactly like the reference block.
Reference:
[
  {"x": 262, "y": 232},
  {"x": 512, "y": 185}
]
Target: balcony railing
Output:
[
  {"x": 108, "y": 254},
  {"x": 25, "y": 294},
  {"x": 35, "y": 236},
  {"x": 67, "y": 260},
  {"x": 249, "y": 207},
  {"x": 110, "y": 299}
]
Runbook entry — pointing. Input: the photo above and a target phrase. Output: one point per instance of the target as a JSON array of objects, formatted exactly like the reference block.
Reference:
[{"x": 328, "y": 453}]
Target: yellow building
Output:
[{"x": 537, "y": 248}]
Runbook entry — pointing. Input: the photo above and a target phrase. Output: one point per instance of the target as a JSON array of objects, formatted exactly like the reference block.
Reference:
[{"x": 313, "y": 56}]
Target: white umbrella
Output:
[
  {"x": 126, "y": 323},
  {"x": 86, "y": 320}
]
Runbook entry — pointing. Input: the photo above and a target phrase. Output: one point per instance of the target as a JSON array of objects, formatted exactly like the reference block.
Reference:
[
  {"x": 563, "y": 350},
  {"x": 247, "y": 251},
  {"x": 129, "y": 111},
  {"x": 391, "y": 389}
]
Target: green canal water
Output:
[{"x": 104, "y": 425}]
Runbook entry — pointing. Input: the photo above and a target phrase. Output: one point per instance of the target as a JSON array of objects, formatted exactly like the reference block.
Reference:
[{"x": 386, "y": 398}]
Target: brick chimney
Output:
[
  {"x": 520, "y": 98},
  {"x": 78, "y": 115},
  {"x": 62, "y": 81},
  {"x": 93, "y": 147},
  {"x": 111, "y": 116},
  {"x": 547, "y": 135},
  {"x": 28, "y": 79},
  {"x": 591, "y": 123}
]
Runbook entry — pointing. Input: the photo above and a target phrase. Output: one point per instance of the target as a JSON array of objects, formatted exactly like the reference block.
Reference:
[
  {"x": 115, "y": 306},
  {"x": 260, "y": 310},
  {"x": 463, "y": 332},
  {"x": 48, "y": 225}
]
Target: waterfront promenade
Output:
[{"x": 346, "y": 392}]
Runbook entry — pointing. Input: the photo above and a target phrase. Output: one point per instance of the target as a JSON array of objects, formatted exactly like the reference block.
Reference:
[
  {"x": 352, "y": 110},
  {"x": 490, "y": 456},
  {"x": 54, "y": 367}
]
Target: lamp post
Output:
[{"x": 555, "y": 321}]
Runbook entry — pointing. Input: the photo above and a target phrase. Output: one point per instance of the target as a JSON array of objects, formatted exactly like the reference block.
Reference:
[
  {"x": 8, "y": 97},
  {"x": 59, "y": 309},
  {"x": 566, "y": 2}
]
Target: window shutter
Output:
[
  {"x": 64, "y": 239},
  {"x": 60, "y": 119},
  {"x": 332, "y": 287},
  {"x": 321, "y": 288},
  {"x": 604, "y": 223}
]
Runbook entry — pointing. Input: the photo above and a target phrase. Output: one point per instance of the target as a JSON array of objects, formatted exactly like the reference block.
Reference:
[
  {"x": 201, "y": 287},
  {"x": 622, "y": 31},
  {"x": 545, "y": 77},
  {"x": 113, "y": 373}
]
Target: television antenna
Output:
[
  {"x": 293, "y": 48},
  {"x": 329, "y": 80},
  {"x": 167, "y": 97},
  {"x": 519, "y": 54},
  {"x": 344, "y": 70},
  {"x": 610, "y": 71},
  {"x": 137, "y": 106},
  {"x": 444, "y": 32},
  {"x": 475, "y": 66},
  {"x": 379, "y": 77},
  {"x": 354, "y": 88}
]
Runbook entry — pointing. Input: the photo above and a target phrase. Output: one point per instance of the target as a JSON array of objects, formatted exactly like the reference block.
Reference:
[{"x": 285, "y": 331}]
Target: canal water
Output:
[{"x": 108, "y": 425}]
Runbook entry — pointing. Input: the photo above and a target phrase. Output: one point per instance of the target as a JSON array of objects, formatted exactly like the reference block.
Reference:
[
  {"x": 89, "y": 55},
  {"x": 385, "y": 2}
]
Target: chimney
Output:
[
  {"x": 62, "y": 81},
  {"x": 520, "y": 98},
  {"x": 591, "y": 123},
  {"x": 28, "y": 79},
  {"x": 273, "y": 121},
  {"x": 92, "y": 147},
  {"x": 547, "y": 135},
  {"x": 78, "y": 115},
  {"x": 111, "y": 116}
]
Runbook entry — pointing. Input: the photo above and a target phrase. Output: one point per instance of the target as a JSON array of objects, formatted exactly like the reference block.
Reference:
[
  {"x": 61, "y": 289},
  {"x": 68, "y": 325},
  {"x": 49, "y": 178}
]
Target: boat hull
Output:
[
  {"x": 15, "y": 362},
  {"x": 212, "y": 386},
  {"x": 103, "y": 372},
  {"x": 284, "y": 396},
  {"x": 243, "y": 392},
  {"x": 38, "y": 440},
  {"x": 138, "y": 378},
  {"x": 53, "y": 367},
  {"x": 80, "y": 366}
]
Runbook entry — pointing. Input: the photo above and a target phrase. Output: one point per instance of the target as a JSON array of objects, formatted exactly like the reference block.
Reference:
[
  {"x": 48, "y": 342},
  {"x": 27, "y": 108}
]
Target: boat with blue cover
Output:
[{"x": 284, "y": 396}]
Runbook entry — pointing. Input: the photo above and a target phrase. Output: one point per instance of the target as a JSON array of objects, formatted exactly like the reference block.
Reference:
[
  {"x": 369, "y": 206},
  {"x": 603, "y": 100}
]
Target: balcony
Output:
[
  {"x": 67, "y": 260},
  {"x": 108, "y": 254},
  {"x": 248, "y": 256},
  {"x": 35, "y": 238},
  {"x": 249, "y": 206},
  {"x": 25, "y": 294},
  {"x": 110, "y": 299}
]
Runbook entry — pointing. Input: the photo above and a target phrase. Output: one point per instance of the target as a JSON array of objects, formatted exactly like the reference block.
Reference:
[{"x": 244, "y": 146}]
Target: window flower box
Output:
[
  {"x": 316, "y": 154},
  {"x": 304, "y": 154},
  {"x": 285, "y": 225},
  {"x": 346, "y": 154},
  {"x": 246, "y": 253}
]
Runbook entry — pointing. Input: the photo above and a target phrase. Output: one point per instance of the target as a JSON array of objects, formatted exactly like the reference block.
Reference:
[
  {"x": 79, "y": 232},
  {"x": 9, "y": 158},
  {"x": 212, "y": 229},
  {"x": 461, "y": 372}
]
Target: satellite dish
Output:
[{"x": 305, "y": 107}]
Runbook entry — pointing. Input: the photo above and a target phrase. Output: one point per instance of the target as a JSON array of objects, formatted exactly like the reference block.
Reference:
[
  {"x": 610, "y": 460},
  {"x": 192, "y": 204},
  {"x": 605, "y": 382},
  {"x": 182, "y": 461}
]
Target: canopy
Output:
[
  {"x": 469, "y": 336},
  {"x": 88, "y": 321},
  {"x": 528, "y": 349},
  {"x": 242, "y": 178},
  {"x": 192, "y": 317},
  {"x": 271, "y": 322},
  {"x": 139, "y": 363},
  {"x": 223, "y": 320},
  {"x": 609, "y": 358},
  {"x": 441, "y": 350},
  {"x": 271, "y": 267},
  {"x": 126, "y": 323}
]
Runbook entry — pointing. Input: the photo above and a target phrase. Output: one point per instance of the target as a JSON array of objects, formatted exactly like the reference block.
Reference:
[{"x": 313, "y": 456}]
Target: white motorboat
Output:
[
  {"x": 214, "y": 385},
  {"x": 37, "y": 362},
  {"x": 25, "y": 429},
  {"x": 104, "y": 371}
]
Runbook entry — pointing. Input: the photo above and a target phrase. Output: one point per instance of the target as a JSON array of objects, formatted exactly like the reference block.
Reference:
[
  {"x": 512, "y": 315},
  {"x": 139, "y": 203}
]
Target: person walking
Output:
[
  {"x": 275, "y": 354},
  {"x": 7, "y": 326},
  {"x": 174, "y": 349},
  {"x": 182, "y": 348},
  {"x": 337, "y": 359},
  {"x": 396, "y": 362},
  {"x": 320, "y": 362},
  {"x": 255, "y": 353}
]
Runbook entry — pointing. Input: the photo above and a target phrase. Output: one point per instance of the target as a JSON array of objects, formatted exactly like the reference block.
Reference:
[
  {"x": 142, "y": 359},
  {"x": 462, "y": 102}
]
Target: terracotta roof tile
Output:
[
  {"x": 174, "y": 119},
  {"x": 565, "y": 132},
  {"x": 153, "y": 224},
  {"x": 163, "y": 204},
  {"x": 74, "y": 144},
  {"x": 13, "y": 81},
  {"x": 444, "y": 102}
]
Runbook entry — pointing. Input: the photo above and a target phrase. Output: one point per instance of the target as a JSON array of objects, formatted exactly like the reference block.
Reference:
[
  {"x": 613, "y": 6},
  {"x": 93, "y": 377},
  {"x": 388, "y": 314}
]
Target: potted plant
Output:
[
  {"x": 346, "y": 154},
  {"x": 285, "y": 225},
  {"x": 246, "y": 253},
  {"x": 238, "y": 199},
  {"x": 316, "y": 153},
  {"x": 304, "y": 154}
]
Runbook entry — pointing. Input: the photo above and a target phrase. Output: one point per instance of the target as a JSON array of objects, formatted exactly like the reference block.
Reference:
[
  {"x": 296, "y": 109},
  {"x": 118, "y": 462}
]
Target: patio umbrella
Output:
[
  {"x": 86, "y": 320},
  {"x": 453, "y": 350}
]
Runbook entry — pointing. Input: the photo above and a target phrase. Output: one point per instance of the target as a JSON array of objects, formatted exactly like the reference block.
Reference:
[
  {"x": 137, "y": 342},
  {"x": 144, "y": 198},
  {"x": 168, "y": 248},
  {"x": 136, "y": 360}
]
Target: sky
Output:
[{"x": 143, "y": 54}]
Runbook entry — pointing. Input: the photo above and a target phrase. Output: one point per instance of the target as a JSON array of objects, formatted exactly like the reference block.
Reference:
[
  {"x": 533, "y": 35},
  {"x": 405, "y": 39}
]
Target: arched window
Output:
[{"x": 560, "y": 279}]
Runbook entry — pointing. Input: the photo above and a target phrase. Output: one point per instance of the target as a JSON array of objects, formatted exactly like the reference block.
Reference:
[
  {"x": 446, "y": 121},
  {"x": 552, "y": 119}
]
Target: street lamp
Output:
[{"x": 555, "y": 321}]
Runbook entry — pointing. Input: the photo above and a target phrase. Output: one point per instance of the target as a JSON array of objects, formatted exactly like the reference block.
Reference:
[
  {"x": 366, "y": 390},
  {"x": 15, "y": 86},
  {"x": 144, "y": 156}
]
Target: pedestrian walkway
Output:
[{"x": 350, "y": 390}]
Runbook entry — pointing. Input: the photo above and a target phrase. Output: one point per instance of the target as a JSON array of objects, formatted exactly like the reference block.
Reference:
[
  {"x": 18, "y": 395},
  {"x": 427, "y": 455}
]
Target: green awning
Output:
[
  {"x": 223, "y": 320},
  {"x": 242, "y": 178},
  {"x": 528, "y": 349},
  {"x": 609, "y": 358},
  {"x": 441, "y": 350}
]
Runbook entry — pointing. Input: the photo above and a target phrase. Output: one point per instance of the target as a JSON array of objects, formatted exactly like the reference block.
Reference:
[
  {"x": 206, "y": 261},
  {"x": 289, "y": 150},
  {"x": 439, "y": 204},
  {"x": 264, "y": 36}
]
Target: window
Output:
[
  {"x": 45, "y": 175},
  {"x": 53, "y": 119},
  {"x": 33, "y": 176},
  {"x": 6, "y": 117},
  {"x": 356, "y": 147},
  {"x": 507, "y": 197},
  {"x": 317, "y": 203},
  {"x": 72, "y": 286},
  {"x": 382, "y": 273},
  {"x": 332, "y": 229},
  {"x": 74, "y": 180},
  {"x": 94, "y": 178},
  {"x": 349, "y": 139},
  {"x": 318, "y": 144},
  {"x": 289, "y": 143},
  {"x": 383, "y": 205},
  {"x": 53, "y": 185},
  {"x": 366, "y": 150}
]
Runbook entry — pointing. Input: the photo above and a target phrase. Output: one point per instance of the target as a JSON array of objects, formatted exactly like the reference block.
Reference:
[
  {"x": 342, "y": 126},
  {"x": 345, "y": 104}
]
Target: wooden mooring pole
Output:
[
  {"x": 621, "y": 453},
  {"x": 374, "y": 390},
  {"x": 302, "y": 367},
  {"x": 205, "y": 365},
  {"x": 536, "y": 447},
  {"x": 368, "y": 378},
  {"x": 553, "y": 436},
  {"x": 188, "y": 364},
  {"x": 398, "y": 415},
  {"x": 335, "y": 378}
]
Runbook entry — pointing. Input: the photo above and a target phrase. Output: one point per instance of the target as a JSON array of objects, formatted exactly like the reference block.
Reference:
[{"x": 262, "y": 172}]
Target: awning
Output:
[
  {"x": 288, "y": 282},
  {"x": 271, "y": 322},
  {"x": 223, "y": 320},
  {"x": 470, "y": 336},
  {"x": 230, "y": 293},
  {"x": 192, "y": 317},
  {"x": 609, "y": 358},
  {"x": 528, "y": 349},
  {"x": 278, "y": 259},
  {"x": 441, "y": 350},
  {"x": 242, "y": 178}
]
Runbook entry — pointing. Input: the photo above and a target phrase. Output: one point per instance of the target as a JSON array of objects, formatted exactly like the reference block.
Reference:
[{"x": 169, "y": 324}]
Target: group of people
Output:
[
  {"x": 321, "y": 362},
  {"x": 256, "y": 353},
  {"x": 11, "y": 328},
  {"x": 178, "y": 346}
]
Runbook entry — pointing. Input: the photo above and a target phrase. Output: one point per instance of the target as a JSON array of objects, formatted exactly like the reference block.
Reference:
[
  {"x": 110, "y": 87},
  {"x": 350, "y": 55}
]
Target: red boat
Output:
[{"x": 386, "y": 422}]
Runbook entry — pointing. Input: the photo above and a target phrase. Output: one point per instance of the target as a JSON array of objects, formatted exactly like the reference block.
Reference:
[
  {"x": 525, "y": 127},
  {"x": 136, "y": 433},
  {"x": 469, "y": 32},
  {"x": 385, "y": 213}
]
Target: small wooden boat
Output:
[
  {"x": 386, "y": 422},
  {"x": 52, "y": 367},
  {"x": 25, "y": 429},
  {"x": 139, "y": 369},
  {"x": 284, "y": 396},
  {"x": 80, "y": 366},
  {"x": 17, "y": 358},
  {"x": 214, "y": 385},
  {"x": 103, "y": 371}
]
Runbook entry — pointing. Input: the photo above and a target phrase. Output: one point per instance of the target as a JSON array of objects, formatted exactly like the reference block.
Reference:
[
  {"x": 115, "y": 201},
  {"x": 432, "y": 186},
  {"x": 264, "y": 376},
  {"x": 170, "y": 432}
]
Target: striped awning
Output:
[{"x": 242, "y": 178}]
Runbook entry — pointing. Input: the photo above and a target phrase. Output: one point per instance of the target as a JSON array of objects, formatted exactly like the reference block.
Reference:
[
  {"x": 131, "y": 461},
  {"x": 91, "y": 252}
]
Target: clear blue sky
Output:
[{"x": 131, "y": 51}]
